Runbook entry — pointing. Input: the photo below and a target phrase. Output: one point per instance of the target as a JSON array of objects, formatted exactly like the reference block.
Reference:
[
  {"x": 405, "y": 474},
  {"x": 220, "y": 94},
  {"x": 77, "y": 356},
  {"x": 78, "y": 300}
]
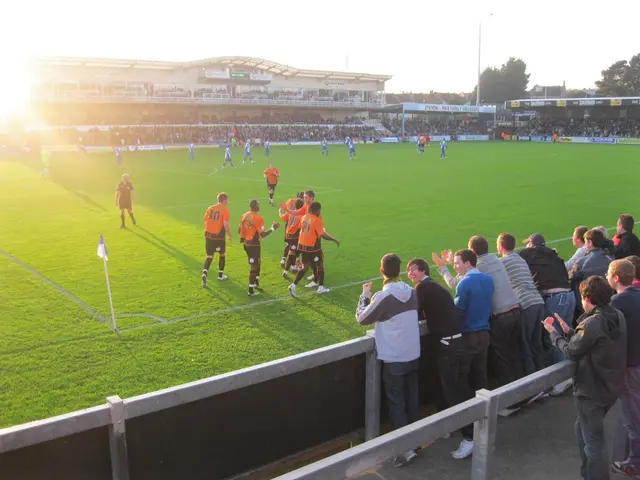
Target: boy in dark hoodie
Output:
[{"x": 598, "y": 348}]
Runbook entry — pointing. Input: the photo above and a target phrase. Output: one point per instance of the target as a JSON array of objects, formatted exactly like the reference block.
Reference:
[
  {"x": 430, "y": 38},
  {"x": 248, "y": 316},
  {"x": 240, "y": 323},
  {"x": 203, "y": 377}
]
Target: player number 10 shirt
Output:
[{"x": 214, "y": 220}]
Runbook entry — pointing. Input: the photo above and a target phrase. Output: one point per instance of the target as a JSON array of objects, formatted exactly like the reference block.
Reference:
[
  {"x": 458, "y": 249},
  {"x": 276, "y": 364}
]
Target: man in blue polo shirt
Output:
[{"x": 473, "y": 303}]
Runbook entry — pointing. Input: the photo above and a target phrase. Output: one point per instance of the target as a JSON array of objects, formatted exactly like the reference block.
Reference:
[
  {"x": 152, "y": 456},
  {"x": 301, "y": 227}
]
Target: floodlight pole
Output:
[
  {"x": 479, "y": 58},
  {"x": 403, "y": 120}
]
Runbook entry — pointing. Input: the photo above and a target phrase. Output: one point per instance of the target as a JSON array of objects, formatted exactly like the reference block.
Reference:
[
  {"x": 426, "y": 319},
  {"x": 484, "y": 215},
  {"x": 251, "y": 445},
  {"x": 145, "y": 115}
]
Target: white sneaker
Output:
[
  {"x": 310, "y": 277},
  {"x": 254, "y": 294},
  {"x": 506, "y": 412},
  {"x": 322, "y": 289},
  {"x": 292, "y": 290},
  {"x": 311, "y": 285},
  {"x": 562, "y": 387},
  {"x": 223, "y": 277},
  {"x": 465, "y": 450},
  {"x": 285, "y": 274}
]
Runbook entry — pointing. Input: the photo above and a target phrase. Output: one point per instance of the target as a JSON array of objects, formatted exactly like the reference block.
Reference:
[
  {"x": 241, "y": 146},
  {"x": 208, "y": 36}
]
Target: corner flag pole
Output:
[{"x": 102, "y": 253}]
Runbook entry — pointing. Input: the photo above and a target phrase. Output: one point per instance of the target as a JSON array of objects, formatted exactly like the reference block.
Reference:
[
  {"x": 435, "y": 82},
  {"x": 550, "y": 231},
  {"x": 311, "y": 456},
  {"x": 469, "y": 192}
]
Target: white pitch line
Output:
[
  {"x": 240, "y": 307},
  {"x": 215, "y": 170},
  {"x": 59, "y": 288}
]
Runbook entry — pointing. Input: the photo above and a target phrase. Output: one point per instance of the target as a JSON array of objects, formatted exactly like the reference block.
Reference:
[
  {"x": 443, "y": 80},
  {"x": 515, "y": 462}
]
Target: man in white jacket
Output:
[{"x": 394, "y": 310}]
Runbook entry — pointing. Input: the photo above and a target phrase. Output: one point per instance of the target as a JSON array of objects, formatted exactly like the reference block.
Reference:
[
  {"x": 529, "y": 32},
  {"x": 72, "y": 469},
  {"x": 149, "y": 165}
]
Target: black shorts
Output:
[
  {"x": 293, "y": 244},
  {"x": 124, "y": 204},
  {"x": 253, "y": 254},
  {"x": 271, "y": 186},
  {"x": 216, "y": 245},
  {"x": 312, "y": 257}
]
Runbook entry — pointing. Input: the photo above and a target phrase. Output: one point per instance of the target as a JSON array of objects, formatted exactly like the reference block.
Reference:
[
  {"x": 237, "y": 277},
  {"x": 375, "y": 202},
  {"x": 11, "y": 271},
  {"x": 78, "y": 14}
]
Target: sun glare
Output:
[{"x": 14, "y": 91}]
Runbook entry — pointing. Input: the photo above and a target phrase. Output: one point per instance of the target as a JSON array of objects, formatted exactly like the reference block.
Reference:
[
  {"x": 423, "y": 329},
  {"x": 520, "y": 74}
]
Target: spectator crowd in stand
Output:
[
  {"x": 148, "y": 135},
  {"x": 531, "y": 309},
  {"x": 425, "y": 126},
  {"x": 583, "y": 127}
]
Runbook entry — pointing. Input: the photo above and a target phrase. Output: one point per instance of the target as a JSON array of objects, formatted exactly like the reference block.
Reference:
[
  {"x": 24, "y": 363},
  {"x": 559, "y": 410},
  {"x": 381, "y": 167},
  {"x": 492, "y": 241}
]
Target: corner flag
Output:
[
  {"x": 102, "y": 248},
  {"x": 102, "y": 253}
]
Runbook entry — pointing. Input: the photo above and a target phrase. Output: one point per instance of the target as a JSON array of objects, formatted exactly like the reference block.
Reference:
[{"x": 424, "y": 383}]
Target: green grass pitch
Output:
[{"x": 57, "y": 352}]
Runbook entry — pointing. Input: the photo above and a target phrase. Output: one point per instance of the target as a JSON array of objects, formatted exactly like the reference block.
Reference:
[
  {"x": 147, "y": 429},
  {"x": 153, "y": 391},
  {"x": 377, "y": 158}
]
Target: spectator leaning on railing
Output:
[
  {"x": 625, "y": 242},
  {"x": 394, "y": 310},
  {"x": 435, "y": 305},
  {"x": 598, "y": 347},
  {"x": 505, "y": 310},
  {"x": 530, "y": 301},
  {"x": 627, "y": 299},
  {"x": 552, "y": 281},
  {"x": 474, "y": 291},
  {"x": 578, "y": 242}
]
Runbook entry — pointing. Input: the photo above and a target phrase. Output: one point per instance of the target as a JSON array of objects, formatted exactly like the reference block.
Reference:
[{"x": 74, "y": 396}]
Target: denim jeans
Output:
[
  {"x": 630, "y": 413},
  {"x": 563, "y": 304},
  {"x": 590, "y": 435},
  {"x": 400, "y": 381},
  {"x": 532, "y": 349}
]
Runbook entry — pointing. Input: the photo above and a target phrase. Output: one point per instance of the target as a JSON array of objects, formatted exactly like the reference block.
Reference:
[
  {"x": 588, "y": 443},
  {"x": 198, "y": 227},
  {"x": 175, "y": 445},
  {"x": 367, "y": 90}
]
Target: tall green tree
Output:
[
  {"x": 621, "y": 79},
  {"x": 614, "y": 80},
  {"x": 632, "y": 75},
  {"x": 509, "y": 82}
]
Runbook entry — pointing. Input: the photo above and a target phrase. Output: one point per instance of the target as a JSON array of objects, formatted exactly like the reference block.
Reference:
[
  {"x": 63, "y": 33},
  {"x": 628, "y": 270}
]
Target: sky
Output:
[{"x": 424, "y": 45}]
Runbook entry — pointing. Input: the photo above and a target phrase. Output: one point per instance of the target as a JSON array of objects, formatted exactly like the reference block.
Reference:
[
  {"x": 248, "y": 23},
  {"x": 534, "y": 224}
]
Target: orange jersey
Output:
[
  {"x": 272, "y": 175},
  {"x": 311, "y": 231},
  {"x": 214, "y": 219},
  {"x": 285, "y": 216},
  {"x": 302, "y": 210},
  {"x": 251, "y": 226},
  {"x": 293, "y": 226},
  {"x": 291, "y": 203}
]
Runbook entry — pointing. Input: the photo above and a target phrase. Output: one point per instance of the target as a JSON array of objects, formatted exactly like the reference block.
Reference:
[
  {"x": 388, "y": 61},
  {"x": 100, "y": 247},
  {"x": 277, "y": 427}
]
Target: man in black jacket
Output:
[
  {"x": 552, "y": 281},
  {"x": 435, "y": 305},
  {"x": 598, "y": 347},
  {"x": 625, "y": 242}
]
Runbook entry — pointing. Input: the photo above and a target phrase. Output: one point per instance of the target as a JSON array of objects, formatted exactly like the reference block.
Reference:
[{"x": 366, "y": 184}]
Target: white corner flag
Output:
[
  {"x": 102, "y": 248},
  {"x": 102, "y": 253}
]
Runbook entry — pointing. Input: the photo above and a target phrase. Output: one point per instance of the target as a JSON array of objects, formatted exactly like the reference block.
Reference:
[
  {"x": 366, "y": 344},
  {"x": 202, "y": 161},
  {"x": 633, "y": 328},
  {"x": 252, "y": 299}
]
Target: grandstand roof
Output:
[{"x": 228, "y": 62}]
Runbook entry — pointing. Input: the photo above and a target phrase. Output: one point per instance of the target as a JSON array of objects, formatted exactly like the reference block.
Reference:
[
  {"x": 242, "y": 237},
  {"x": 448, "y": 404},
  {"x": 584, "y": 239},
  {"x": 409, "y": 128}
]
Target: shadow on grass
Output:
[{"x": 167, "y": 248}]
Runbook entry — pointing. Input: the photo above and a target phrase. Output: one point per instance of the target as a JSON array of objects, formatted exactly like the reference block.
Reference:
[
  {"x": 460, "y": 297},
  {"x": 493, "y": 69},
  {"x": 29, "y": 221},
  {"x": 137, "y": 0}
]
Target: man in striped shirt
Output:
[{"x": 530, "y": 301}]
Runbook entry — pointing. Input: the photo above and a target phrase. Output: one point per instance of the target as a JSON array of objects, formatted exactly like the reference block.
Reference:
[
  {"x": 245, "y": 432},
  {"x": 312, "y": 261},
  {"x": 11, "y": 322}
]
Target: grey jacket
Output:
[
  {"x": 394, "y": 310},
  {"x": 596, "y": 262},
  {"x": 598, "y": 346}
]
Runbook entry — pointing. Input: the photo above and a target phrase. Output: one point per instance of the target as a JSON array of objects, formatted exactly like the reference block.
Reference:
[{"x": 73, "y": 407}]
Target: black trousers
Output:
[
  {"x": 506, "y": 335},
  {"x": 473, "y": 369}
]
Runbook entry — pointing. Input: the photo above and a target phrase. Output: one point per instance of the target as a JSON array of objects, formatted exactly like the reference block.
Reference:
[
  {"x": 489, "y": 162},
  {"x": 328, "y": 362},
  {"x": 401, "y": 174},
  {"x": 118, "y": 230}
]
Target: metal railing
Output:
[
  {"x": 117, "y": 411},
  {"x": 204, "y": 101},
  {"x": 481, "y": 410}
]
